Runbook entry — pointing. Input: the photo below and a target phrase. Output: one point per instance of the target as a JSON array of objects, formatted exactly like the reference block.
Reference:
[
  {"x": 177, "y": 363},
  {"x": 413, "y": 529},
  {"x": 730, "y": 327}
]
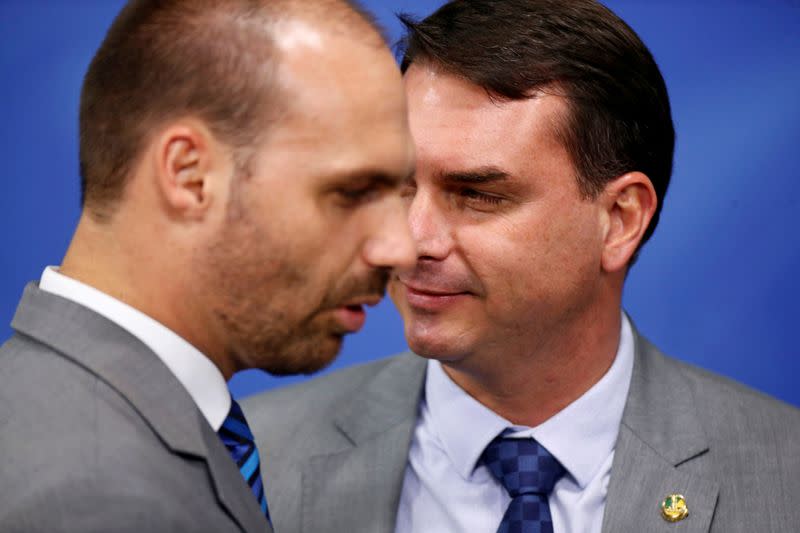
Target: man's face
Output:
[
  {"x": 508, "y": 250},
  {"x": 314, "y": 227}
]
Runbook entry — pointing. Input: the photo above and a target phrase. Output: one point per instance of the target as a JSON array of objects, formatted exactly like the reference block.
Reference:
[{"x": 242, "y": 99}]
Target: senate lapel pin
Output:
[{"x": 674, "y": 508}]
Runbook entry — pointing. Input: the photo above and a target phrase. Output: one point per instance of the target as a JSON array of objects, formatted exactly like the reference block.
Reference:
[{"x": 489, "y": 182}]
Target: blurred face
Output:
[
  {"x": 317, "y": 223},
  {"x": 508, "y": 250}
]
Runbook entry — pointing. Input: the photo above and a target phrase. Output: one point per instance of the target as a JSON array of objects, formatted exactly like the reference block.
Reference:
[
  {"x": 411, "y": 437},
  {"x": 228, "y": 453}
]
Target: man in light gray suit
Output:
[
  {"x": 544, "y": 144},
  {"x": 241, "y": 167}
]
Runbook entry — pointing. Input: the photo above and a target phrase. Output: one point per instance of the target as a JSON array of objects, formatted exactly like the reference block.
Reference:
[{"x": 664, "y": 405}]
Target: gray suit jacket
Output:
[
  {"x": 96, "y": 434},
  {"x": 337, "y": 449}
]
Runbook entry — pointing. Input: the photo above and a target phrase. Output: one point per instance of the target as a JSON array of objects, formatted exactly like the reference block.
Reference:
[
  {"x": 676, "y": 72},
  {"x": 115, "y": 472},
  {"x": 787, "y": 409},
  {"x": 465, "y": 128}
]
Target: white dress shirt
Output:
[
  {"x": 446, "y": 490},
  {"x": 201, "y": 378}
]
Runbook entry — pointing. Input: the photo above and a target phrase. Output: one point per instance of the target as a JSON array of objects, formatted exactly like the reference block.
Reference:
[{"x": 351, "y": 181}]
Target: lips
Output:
[
  {"x": 351, "y": 315},
  {"x": 432, "y": 292},
  {"x": 424, "y": 298}
]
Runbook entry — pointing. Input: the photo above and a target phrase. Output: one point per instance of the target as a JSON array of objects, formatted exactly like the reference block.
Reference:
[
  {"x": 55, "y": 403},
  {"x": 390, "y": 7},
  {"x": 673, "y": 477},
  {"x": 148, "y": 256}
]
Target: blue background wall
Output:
[{"x": 716, "y": 286}]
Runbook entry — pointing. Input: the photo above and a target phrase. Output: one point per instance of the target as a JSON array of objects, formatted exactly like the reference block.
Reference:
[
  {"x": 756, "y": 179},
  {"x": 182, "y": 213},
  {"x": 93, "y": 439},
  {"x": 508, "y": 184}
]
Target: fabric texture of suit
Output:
[
  {"x": 337, "y": 447},
  {"x": 98, "y": 435}
]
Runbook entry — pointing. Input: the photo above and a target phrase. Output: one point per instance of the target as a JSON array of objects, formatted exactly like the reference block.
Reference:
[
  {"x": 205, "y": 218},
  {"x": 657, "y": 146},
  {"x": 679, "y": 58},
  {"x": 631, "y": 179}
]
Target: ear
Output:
[
  {"x": 630, "y": 202},
  {"x": 187, "y": 158}
]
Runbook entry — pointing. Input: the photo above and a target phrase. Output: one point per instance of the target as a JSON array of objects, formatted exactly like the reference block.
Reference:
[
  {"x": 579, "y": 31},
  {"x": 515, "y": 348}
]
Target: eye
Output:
[
  {"x": 358, "y": 195},
  {"x": 472, "y": 195}
]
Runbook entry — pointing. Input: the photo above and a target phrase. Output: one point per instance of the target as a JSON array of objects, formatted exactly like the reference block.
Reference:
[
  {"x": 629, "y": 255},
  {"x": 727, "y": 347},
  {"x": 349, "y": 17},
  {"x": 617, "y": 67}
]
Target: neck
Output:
[
  {"x": 110, "y": 259},
  {"x": 529, "y": 383}
]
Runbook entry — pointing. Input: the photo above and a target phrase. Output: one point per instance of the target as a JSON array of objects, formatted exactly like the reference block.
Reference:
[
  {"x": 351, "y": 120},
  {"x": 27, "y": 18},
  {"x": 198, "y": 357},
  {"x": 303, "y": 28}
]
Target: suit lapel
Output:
[
  {"x": 228, "y": 484},
  {"x": 358, "y": 488},
  {"x": 660, "y": 431},
  {"x": 138, "y": 375}
]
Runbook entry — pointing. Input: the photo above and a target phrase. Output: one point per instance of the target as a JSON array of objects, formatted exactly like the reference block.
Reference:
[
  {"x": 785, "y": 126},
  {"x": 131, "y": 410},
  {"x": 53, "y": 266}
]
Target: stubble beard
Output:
[
  {"x": 276, "y": 316},
  {"x": 305, "y": 341}
]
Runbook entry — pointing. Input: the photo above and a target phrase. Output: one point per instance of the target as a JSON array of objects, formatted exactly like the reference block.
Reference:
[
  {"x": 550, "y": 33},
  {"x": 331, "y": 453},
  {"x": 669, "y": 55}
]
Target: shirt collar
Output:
[
  {"x": 581, "y": 436},
  {"x": 200, "y": 377},
  {"x": 464, "y": 425}
]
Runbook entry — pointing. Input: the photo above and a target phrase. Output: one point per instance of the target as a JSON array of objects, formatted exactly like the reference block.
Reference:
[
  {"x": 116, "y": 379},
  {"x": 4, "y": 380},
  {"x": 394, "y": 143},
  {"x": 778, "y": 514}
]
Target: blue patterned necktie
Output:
[
  {"x": 528, "y": 472},
  {"x": 236, "y": 435}
]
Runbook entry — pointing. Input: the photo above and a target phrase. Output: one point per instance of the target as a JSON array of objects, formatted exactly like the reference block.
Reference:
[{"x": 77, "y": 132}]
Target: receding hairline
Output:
[
  {"x": 340, "y": 17},
  {"x": 143, "y": 76}
]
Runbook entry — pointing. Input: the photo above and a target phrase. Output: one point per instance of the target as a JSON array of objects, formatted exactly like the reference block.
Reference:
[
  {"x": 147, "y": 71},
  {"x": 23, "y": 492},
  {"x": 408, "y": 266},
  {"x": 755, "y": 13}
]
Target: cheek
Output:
[
  {"x": 316, "y": 239},
  {"x": 503, "y": 253},
  {"x": 333, "y": 250},
  {"x": 534, "y": 254},
  {"x": 498, "y": 256}
]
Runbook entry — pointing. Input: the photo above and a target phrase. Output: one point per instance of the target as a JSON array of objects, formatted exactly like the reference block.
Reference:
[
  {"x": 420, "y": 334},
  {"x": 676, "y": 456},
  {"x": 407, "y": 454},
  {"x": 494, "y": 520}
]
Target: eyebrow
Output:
[
  {"x": 475, "y": 176},
  {"x": 375, "y": 177}
]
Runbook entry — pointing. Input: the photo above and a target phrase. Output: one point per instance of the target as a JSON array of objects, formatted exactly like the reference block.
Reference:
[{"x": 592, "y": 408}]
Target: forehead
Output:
[
  {"x": 456, "y": 124},
  {"x": 331, "y": 78},
  {"x": 344, "y": 100}
]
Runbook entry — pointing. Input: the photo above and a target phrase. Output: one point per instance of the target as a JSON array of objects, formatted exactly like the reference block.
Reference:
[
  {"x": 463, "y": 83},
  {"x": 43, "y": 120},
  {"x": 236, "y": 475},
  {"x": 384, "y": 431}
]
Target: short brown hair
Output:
[
  {"x": 164, "y": 59},
  {"x": 619, "y": 113}
]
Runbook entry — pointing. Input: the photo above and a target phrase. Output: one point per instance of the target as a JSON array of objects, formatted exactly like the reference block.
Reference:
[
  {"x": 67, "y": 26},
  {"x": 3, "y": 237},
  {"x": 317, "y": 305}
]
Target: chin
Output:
[
  {"x": 305, "y": 357},
  {"x": 438, "y": 347}
]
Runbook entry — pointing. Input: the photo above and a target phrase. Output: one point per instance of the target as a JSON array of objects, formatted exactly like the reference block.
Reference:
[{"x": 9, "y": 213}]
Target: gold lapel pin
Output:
[{"x": 674, "y": 508}]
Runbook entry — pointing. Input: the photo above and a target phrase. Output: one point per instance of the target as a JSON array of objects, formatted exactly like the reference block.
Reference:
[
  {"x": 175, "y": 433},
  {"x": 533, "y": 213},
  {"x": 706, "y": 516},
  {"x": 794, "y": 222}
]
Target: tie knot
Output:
[{"x": 522, "y": 466}]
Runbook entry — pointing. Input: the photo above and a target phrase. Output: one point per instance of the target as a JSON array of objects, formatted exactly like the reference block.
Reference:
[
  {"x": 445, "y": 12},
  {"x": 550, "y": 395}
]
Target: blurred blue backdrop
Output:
[{"x": 717, "y": 285}]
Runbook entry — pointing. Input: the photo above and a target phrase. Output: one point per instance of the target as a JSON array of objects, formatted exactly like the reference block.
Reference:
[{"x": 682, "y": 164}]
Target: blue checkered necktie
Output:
[
  {"x": 528, "y": 472},
  {"x": 236, "y": 435}
]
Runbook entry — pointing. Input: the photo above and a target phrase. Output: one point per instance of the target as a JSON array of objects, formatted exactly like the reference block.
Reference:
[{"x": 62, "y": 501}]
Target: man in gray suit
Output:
[
  {"x": 544, "y": 144},
  {"x": 241, "y": 168}
]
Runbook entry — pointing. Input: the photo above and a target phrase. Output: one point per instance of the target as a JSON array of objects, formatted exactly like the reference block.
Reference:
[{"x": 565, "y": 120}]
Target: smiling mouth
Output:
[
  {"x": 431, "y": 292},
  {"x": 429, "y": 300}
]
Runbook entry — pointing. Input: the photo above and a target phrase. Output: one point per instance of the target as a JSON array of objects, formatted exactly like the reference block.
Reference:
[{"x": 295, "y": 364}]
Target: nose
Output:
[
  {"x": 429, "y": 227},
  {"x": 390, "y": 245}
]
